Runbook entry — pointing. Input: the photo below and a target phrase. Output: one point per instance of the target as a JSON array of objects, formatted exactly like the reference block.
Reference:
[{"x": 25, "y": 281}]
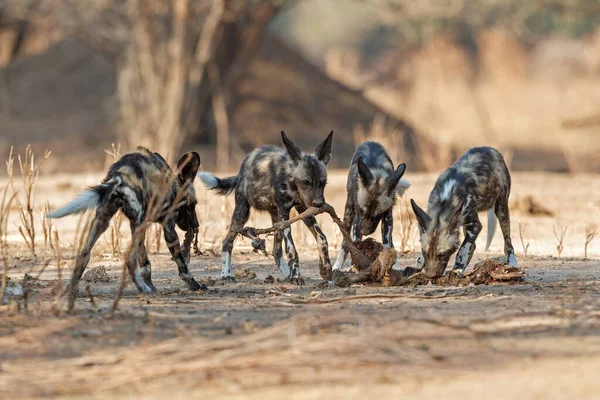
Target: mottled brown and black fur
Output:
[
  {"x": 276, "y": 180},
  {"x": 372, "y": 187},
  {"x": 478, "y": 181},
  {"x": 131, "y": 184}
]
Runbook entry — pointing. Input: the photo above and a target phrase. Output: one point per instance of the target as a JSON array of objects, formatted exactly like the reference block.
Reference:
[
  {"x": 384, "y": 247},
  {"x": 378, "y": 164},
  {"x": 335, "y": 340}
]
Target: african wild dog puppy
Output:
[
  {"x": 478, "y": 181},
  {"x": 372, "y": 187},
  {"x": 275, "y": 180},
  {"x": 129, "y": 186}
]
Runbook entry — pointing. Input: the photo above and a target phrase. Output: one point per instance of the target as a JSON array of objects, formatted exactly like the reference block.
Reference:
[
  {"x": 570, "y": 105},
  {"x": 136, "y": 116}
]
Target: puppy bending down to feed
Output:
[
  {"x": 132, "y": 183},
  {"x": 478, "y": 181},
  {"x": 372, "y": 187},
  {"x": 276, "y": 180}
]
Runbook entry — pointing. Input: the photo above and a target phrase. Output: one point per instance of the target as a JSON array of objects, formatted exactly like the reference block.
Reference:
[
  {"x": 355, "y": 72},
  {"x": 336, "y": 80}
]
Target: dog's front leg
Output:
[
  {"x": 290, "y": 249},
  {"x": 349, "y": 215},
  {"x": 174, "y": 246},
  {"x": 317, "y": 232},
  {"x": 472, "y": 227},
  {"x": 387, "y": 228}
]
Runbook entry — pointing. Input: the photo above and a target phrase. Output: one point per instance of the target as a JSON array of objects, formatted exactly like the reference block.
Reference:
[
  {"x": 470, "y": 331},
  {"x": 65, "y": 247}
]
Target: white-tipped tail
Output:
[
  {"x": 84, "y": 201},
  {"x": 208, "y": 180},
  {"x": 491, "y": 230},
  {"x": 402, "y": 186}
]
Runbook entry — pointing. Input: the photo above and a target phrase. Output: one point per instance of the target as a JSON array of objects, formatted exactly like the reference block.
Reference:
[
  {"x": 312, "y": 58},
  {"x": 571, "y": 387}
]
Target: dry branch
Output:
[{"x": 259, "y": 244}]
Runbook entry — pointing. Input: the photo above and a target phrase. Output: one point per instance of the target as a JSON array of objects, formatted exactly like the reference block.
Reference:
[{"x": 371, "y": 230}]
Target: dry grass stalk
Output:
[
  {"x": 407, "y": 221},
  {"x": 559, "y": 238},
  {"x": 5, "y": 206},
  {"x": 116, "y": 236},
  {"x": 29, "y": 175},
  {"x": 47, "y": 227},
  {"x": 590, "y": 233},
  {"x": 113, "y": 154},
  {"x": 522, "y": 235},
  {"x": 84, "y": 223},
  {"x": 58, "y": 257},
  {"x": 158, "y": 234}
]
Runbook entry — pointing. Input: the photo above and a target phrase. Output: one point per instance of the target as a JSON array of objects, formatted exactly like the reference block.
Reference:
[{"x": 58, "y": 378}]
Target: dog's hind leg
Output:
[
  {"x": 99, "y": 225},
  {"x": 139, "y": 265},
  {"x": 503, "y": 215},
  {"x": 241, "y": 213},
  {"x": 317, "y": 232},
  {"x": 277, "y": 249}
]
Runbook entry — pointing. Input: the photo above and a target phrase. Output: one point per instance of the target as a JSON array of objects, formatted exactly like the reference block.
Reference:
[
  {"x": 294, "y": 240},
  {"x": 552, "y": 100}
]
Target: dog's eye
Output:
[{"x": 305, "y": 182}]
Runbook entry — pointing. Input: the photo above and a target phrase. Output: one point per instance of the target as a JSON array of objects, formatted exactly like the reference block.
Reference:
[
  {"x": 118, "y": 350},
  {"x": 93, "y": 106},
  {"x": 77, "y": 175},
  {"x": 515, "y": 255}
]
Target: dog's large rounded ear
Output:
[
  {"x": 395, "y": 176},
  {"x": 293, "y": 150},
  {"x": 188, "y": 166},
  {"x": 422, "y": 218},
  {"x": 323, "y": 150},
  {"x": 364, "y": 172}
]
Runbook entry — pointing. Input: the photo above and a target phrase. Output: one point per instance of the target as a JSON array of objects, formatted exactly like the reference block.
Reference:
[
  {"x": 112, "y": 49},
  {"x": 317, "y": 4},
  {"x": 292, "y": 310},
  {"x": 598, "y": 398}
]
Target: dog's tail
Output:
[
  {"x": 491, "y": 230},
  {"x": 222, "y": 186},
  {"x": 402, "y": 186},
  {"x": 88, "y": 199}
]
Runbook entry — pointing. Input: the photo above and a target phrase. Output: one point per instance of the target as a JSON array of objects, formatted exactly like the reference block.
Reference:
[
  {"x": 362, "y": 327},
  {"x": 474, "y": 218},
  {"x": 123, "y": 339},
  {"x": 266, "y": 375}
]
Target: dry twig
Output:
[
  {"x": 559, "y": 238},
  {"x": 590, "y": 234}
]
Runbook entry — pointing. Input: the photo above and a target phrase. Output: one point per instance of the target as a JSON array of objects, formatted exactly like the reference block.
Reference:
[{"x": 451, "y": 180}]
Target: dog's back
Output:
[
  {"x": 130, "y": 181},
  {"x": 479, "y": 176}
]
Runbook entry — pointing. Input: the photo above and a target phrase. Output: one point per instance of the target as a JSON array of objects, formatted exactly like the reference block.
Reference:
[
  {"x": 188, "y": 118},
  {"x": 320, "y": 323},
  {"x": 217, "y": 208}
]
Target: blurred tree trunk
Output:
[{"x": 165, "y": 89}]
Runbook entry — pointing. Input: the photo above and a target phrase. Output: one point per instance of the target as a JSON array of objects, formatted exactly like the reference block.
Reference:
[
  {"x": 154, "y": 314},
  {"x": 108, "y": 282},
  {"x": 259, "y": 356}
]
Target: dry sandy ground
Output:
[{"x": 537, "y": 339}]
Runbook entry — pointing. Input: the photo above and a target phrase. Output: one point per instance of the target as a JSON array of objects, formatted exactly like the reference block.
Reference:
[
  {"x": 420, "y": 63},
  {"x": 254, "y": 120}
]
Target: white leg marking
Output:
[
  {"x": 287, "y": 233},
  {"x": 397, "y": 266},
  {"x": 226, "y": 265},
  {"x": 420, "y": 263},
  {"x": 284, "y": 267},
  {"x": 340, "y": 260},
  {"x": 512, "y": 260},
  {"x": 140, "y": 282},
  {"x": 463, "y": 255}
]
